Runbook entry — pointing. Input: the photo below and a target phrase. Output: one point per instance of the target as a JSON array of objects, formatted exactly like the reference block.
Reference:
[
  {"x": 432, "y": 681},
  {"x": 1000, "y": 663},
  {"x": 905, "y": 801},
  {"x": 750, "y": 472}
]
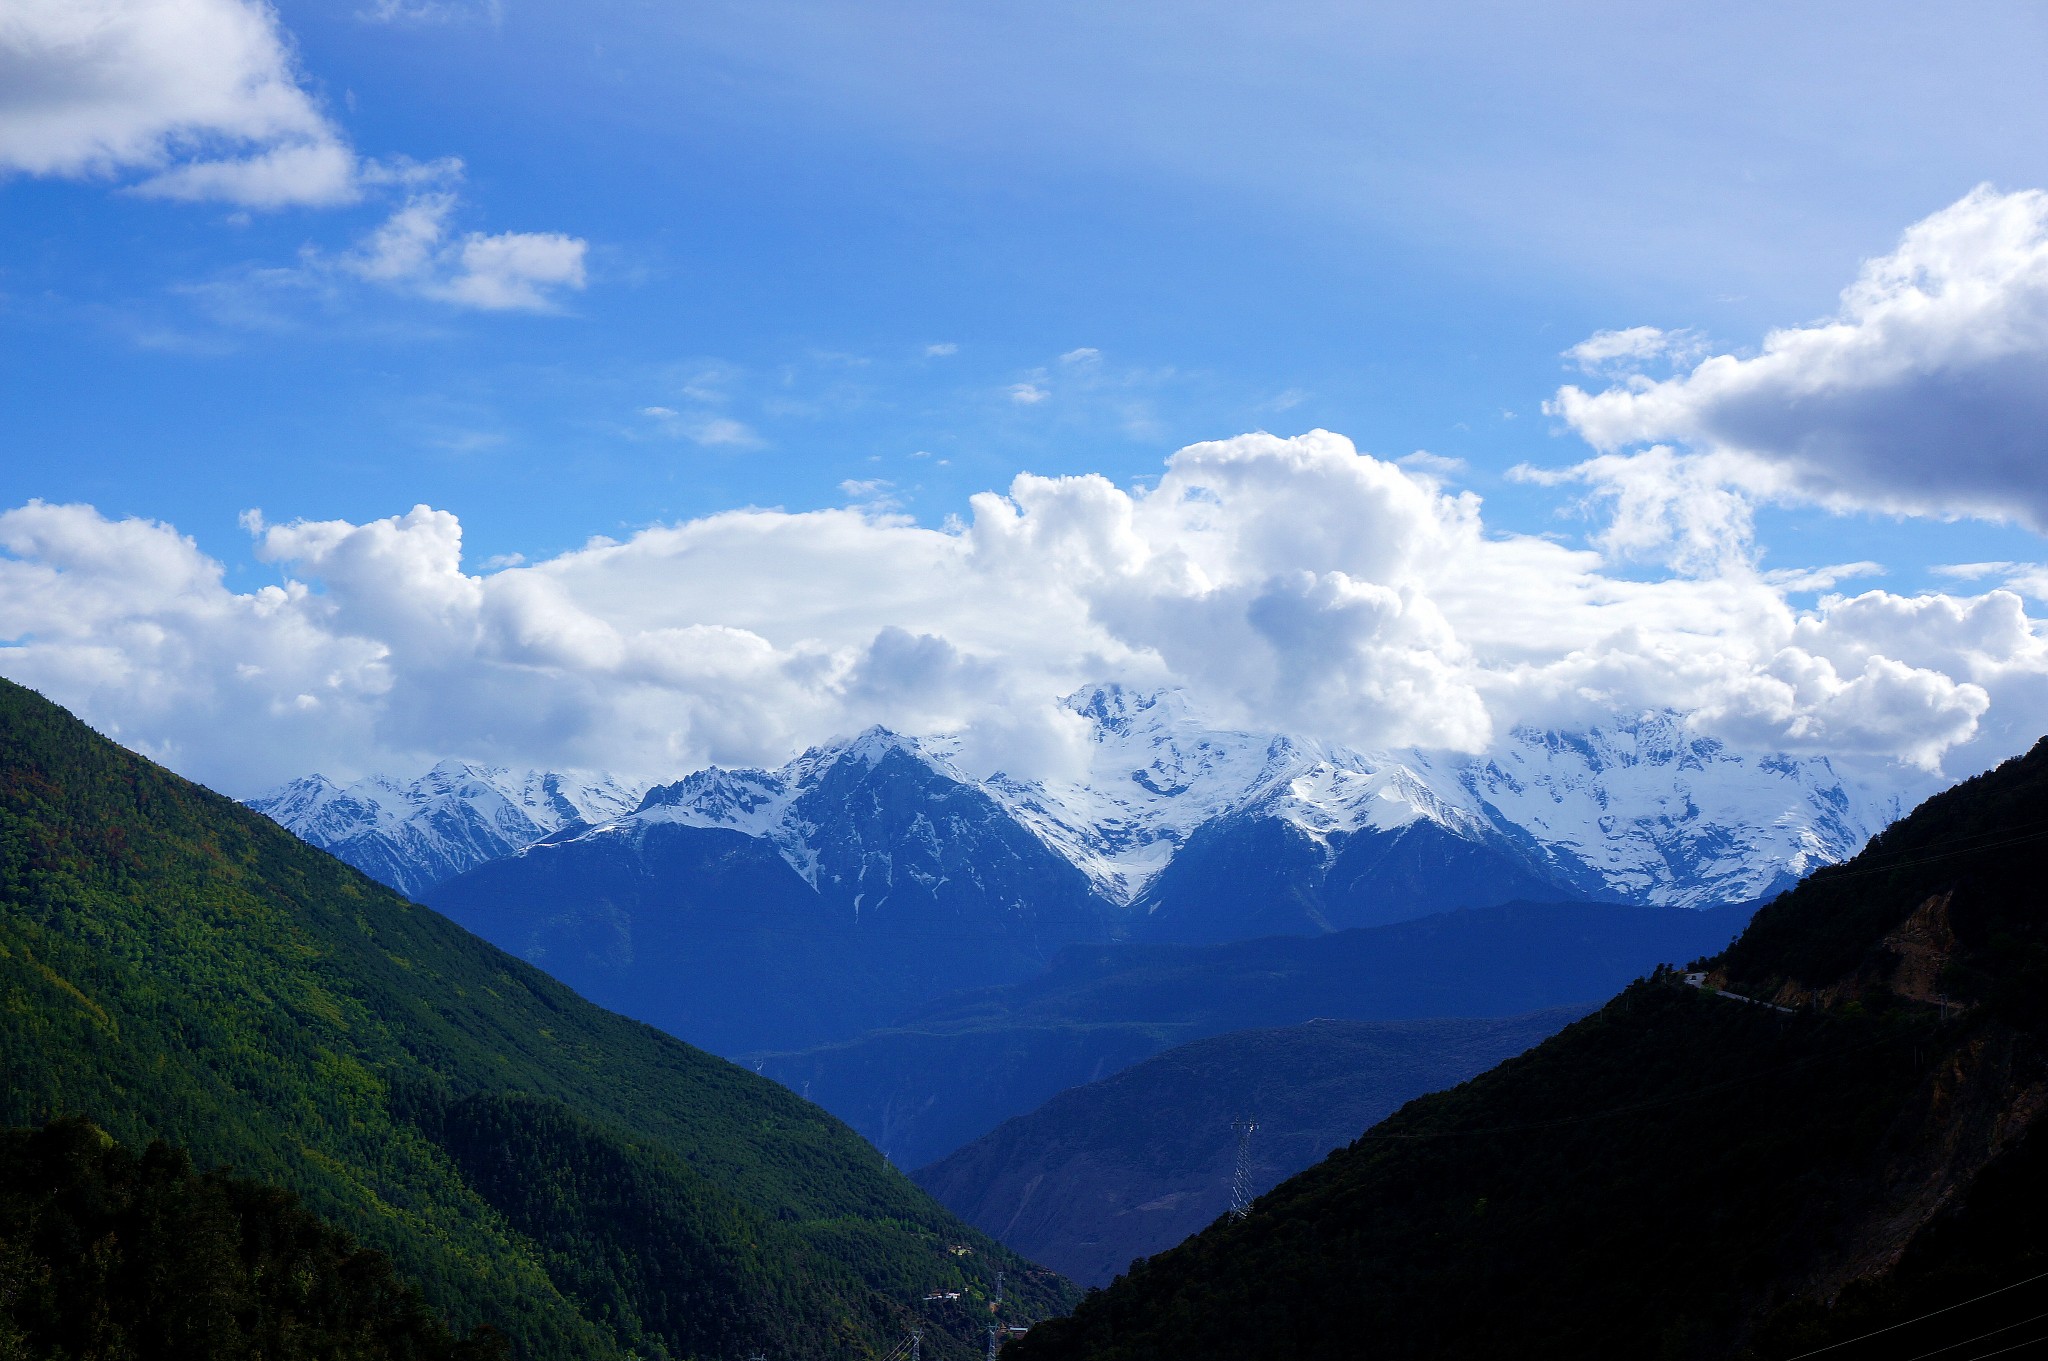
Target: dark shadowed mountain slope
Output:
[
  {"x": 1259, "y": 875},
  {"x": 1129, "y": 1166},
  {"x": 955, "y": 1069},
  {"x": 173, "y": 964},
  {"x": 703, "y": 914},
  {"x": 1686, "y": 1174},
  {"x": 701, "y": 931}
]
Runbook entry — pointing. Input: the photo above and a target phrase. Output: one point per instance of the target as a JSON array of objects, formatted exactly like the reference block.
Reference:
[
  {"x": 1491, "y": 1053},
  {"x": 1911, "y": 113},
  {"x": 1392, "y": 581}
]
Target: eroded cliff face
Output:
[
  {"x": 1985, "y": 1089},
  {"x": 1909, "y": 962},
  {"x": 1979, "y": 1100}
]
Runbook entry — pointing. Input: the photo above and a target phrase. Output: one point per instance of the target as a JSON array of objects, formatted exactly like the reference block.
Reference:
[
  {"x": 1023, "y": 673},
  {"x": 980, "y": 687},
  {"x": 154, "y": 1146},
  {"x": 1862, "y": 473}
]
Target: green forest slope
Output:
[
  {"x": 173, "y": 965},
  {"x": 1687, "y": 1174},
  {"x": 116, "y": 1257}
]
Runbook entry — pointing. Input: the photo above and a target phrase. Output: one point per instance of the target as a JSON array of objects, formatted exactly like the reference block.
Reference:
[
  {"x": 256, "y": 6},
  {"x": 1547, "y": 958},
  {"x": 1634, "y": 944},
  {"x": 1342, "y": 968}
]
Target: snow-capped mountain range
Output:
[
  {"x": 1639, "y": 810},
  {"x": 413, "y": 834}
]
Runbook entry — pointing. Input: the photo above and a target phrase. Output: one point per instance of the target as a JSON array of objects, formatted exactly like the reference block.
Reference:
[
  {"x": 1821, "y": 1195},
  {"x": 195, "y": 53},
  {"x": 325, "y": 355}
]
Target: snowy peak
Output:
[
  {"x": 1158, "y": 770},
  {"x": 1121, "y": 710},
  {"x": 794, "y": 807},
  {"x": 1642, "y": 809},
  {"x": 411, "y": 834},
  {"x": 884, "y": 829},
  {"x": 1649, "y": 811},
  {"x": 873, "y": 747},
  {"x": 751, "y": 801},
  {"x": 1343, "y": 792}
]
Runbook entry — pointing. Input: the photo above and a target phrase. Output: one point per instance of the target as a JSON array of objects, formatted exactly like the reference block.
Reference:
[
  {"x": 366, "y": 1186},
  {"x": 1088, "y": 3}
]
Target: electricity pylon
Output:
[{"x": 995, "y": 1328}]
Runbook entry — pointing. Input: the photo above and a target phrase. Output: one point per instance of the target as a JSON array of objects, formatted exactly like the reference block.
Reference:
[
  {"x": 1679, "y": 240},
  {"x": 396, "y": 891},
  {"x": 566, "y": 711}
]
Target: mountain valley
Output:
[
  {"x": 1822, "y": 1139},
  {"x": 175, "y": 966},
  {"x": 752, "y": 910},
  {"x": 955, "y": 1068},
  {"x": 1128, "y": 1166}
]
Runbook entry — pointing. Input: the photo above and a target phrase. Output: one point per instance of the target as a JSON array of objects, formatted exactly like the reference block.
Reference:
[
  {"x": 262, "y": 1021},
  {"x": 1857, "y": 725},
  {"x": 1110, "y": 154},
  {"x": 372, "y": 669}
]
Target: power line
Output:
[
  {"x": 1981, "y": 1356},
  {"x": 1843, "y": 870},
  {"x": 1694, "y": 1094},
  {"x": 1979, "y": 1337},
  {"x": 1932, "y": 1313}
]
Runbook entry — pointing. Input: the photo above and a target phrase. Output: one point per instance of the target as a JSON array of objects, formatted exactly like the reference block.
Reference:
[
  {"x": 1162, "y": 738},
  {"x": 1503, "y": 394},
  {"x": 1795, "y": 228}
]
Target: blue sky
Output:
[{"x": 892, "y": 255}]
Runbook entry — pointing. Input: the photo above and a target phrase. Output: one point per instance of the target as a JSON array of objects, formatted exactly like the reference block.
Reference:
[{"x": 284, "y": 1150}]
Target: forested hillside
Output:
[
  {"x": 120, "y": 1257},
  {"x": 173, "y": 965},
  {"x": 1688, "y": 1173}
]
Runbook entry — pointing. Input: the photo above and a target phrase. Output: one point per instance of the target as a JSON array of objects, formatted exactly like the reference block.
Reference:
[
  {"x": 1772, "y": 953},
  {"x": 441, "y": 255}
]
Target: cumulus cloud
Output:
[
  {"x": 1926, "y": 393},
  {"x": 199, "y": 96},
  {"x": 201, "y": 100},
  {"x": 1287, "y": 582},
  {"x": 414, "y": 250},
  {"x": 1664, "y": 506}
]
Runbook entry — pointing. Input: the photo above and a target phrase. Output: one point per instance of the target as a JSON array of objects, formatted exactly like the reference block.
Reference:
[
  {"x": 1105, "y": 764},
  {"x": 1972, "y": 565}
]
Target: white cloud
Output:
[
  {"x": 1926, "y": 393},
  {"x": 941, "y": 349},
  {"x": 308, "y": 173},
  {"x": 722, "y": 432},
  {"x": 711, "y": 431},
  {"x": 1432, "y": 465},
  {"x": 201, "y": 101},
  {"x": 1290, "y": 582},
  {"x": 514, "y": 270},
  {"x": 1664, "y": 506},
  {"x": 1976, "y": 571},
  {"x": 432, "y": 11},
  {"x": 404, "y": 246},
  {"x": 200, "y": 95},
  {"x": 1803, "y": 579},
  {"x": 1027, "y": 394},
  {"x": 414, "y": 250},
  {"x": 875, "y": 495},
  {"x": 1604, "y": 351}
]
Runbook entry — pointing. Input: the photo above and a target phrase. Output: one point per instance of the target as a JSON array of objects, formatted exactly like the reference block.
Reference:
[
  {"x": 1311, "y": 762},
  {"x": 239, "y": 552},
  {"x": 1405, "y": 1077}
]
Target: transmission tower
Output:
[
  {"x": 994, "y": 1327},
  {"x": 1241, "y": 1183},
  {"x": 917, "y": 1344}
]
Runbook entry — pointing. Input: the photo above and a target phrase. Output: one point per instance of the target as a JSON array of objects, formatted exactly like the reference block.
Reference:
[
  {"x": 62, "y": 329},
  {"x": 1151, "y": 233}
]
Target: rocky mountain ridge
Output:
[
  {"x": 412, "y": 834},
  {"x": 1641, "y": 810}
]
